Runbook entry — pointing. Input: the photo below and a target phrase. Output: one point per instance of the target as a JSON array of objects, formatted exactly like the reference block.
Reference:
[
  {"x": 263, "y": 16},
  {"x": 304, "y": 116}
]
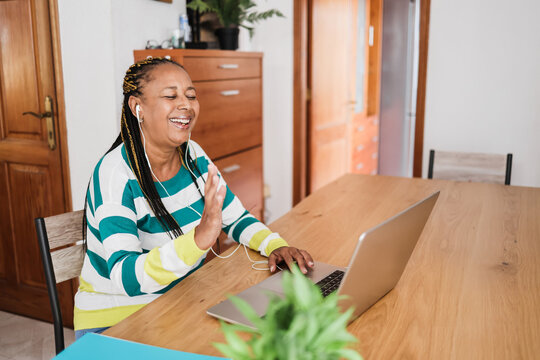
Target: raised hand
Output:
[{"x": 208, "y": 230}]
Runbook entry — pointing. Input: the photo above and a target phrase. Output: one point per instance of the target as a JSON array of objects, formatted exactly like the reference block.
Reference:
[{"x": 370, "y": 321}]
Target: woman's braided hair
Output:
[
  {"x": 134, "y": 80},
  {"x": 130, "y": 136}
]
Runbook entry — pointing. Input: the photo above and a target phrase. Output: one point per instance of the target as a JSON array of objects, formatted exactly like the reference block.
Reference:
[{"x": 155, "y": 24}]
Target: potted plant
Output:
[
  {"x": 302, "y": 325},
  {"x": 231, "y": 15}
]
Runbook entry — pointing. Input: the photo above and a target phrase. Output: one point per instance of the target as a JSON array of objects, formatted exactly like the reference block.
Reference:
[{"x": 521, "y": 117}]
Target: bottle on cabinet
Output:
[{"x": 185, "y": 28}]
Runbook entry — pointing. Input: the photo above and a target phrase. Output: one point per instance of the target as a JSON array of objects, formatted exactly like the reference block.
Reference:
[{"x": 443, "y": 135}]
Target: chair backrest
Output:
[
  {"x": 475, "y": 167},
  {"x": 65, "y": 236},
  {"x": 60, "y": 240}
]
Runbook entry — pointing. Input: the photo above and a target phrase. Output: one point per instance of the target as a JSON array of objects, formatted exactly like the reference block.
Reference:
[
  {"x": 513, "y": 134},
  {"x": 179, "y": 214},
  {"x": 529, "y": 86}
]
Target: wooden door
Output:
[
  {"x": 32, "y": 182},
  {"x": 364, "y": 129},
  {"x": 342, "y": 135}
]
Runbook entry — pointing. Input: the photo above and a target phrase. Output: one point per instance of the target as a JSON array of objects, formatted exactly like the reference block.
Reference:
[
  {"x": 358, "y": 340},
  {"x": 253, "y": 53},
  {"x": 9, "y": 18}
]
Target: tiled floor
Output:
[{"x": 24, "y": 338}]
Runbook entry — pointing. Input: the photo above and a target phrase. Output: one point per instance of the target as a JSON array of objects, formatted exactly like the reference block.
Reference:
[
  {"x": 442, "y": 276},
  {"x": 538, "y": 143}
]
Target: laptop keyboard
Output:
[{"x": 330, "y": 283}]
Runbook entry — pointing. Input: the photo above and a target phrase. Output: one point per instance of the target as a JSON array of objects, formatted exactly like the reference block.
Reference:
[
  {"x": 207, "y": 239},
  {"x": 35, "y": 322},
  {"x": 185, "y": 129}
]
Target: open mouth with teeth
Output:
[{"x": 181, "y": 122}]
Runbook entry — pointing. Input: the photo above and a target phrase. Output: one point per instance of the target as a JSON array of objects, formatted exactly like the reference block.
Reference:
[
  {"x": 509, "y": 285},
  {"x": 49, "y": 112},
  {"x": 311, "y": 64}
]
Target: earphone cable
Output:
[{"x": 254, "y": 263}]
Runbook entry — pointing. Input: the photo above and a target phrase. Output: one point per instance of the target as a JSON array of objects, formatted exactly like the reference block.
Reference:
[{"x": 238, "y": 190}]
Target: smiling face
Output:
[{"x": 168, "y": 106}]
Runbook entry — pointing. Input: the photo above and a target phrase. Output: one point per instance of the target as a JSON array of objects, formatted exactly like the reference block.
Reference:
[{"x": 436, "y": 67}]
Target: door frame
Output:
[
  {"x": 301, "y": 50},
  {"x": 60, "y": 101},
  {"x": 301, "y": 96},
  {"x": 425, "y": 6}
]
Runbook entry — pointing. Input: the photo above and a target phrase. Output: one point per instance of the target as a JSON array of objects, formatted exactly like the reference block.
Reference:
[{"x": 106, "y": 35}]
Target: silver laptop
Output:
[{"x": 376, "y": 265}]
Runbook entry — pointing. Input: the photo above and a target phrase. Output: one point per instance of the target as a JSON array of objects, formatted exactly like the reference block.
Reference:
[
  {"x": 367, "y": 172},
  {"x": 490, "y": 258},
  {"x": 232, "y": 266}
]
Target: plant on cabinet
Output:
[{"x": 233, "y": 14}]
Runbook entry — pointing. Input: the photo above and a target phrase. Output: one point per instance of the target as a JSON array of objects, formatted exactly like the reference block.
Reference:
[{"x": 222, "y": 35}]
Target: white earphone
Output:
[{"x": 137, "y": 109}]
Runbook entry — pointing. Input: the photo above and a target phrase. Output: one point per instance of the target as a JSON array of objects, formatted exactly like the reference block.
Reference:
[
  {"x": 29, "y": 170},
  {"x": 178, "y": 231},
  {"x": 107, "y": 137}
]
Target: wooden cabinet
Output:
[
  {"x": 229, "y": 128},
  {"x": 230, "y": 119},
  {"x": 243, "y": 173}
]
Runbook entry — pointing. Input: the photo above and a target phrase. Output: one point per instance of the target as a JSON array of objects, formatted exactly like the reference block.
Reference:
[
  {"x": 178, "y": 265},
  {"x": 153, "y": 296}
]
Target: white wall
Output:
[
  {"x": 483, "y": 81},
  {"x": 135, "y": 22},
  {"x": 97, "y": 39},
  {"x": 274, "y": 37},
  {"x": 88, "y": 67}
]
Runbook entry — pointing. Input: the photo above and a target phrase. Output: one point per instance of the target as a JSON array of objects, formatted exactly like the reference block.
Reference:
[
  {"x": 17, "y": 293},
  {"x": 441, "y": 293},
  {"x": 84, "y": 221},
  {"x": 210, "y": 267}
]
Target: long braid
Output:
[
  {"x": 130, "y": 136},
  {"x": 135, "y": 77},
  {"x": 137, "y": 159}
]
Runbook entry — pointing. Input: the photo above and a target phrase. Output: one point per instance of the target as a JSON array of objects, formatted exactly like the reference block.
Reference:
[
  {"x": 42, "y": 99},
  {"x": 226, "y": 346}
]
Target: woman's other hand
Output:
[
  {"x": 290, "y": 255},
  {"x": 208, "y": 230}
]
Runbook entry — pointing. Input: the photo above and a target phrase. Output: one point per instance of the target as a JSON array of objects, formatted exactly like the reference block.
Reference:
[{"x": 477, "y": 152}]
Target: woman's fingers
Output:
[
  {"x": 211, "y": 183},
  {"x": 308, "y": 258},
  {"x": 220, "y": 196},
  {"x": 273, "y": 260},
  {"x": 299, "y": 258},
  {"x": 214, "y": 198},
  {"x": 211, "y": 220},
  {"x": 291, "y": 255},
  {"x": 285, "y": 254}
]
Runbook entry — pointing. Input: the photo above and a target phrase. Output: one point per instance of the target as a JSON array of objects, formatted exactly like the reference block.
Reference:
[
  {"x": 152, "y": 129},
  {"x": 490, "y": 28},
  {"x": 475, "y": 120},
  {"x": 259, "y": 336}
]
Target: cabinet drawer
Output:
[
  {"x": 221, "y": 68},
  {"x": 230, "y": 118},
  {"x": 243, "y": 174}
]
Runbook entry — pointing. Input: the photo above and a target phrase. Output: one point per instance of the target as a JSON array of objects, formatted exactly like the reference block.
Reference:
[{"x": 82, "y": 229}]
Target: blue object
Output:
[{"x": 96, "y": 346}]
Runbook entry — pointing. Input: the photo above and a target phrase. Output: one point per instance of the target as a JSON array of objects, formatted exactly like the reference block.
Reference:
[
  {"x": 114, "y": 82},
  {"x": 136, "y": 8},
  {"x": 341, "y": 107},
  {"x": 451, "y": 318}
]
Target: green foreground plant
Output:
[
  {"x": 232, "y": 13},
  {"x": 304, "y": 325}
]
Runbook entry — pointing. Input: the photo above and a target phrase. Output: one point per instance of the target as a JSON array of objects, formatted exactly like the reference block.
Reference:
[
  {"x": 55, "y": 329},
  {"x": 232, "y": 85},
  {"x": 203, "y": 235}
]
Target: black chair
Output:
[
  {"x": 474, "y": 167},
  {"x": 60, "y": 243}
]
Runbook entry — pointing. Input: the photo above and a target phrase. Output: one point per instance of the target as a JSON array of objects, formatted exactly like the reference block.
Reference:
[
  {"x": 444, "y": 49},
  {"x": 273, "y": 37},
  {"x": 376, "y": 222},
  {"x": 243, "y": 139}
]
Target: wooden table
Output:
[{"x": 470, "y": 291}]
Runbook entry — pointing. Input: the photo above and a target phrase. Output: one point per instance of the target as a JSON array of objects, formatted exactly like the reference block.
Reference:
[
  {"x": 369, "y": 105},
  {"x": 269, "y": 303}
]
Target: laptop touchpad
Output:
[{"x": 319, "y": 271}]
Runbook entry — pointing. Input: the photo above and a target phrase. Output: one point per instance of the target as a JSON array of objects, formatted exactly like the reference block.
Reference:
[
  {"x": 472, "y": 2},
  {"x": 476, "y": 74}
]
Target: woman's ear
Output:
[{"x": 133, "y": 103}]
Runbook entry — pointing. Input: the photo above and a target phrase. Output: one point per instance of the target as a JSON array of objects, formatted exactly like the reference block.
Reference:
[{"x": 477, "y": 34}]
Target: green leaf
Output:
[
  {"x": 229, "y": 352},
  {"x": 303, "y": 325},
  {"x": 198, "y": 5},
  {"x": 302, "y": 289},
  {"x": 349, "y": 354},
  {"x": 233, "y": 13},
  {"x": 236, "y": 344},
  {"x": 246, "y": 310},
  {"x": 333, "y": 330},
  {"x": 242, "y": 328}
]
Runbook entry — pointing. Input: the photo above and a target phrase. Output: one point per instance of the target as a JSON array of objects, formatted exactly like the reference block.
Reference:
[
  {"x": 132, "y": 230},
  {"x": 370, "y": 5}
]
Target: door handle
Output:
[
  {"x": 49, "y": 118},
  {"x": 39, "y": 116}
]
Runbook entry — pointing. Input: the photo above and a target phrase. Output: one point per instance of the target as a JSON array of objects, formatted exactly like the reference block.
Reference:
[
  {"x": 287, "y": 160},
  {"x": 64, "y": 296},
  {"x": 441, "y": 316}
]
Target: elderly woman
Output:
[{"x": 156, "y": 203}]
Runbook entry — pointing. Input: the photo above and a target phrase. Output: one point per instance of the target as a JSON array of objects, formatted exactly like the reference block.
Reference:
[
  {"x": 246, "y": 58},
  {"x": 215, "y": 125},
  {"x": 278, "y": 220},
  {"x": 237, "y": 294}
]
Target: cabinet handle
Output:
[
  {"x": 230, "y": 169},
  {"x": 168, "y": 57},
  {"x": 230, "y": 92},
  {"x": 228, "y": 66}
]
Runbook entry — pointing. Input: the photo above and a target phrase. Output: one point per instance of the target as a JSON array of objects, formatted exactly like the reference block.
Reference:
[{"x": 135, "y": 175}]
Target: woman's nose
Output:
[{"x": 184, "y": 103}]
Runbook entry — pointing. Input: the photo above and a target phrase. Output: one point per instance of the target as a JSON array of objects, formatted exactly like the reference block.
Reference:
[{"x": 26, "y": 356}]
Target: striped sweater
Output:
[{"x": 130, "y": 260}]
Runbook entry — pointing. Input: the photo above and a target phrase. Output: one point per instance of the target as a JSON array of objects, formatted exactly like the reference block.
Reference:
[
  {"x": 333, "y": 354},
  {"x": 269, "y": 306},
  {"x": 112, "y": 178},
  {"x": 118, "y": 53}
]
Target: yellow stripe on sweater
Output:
[
  {"x": 85, "y": 285},
  {"x": 154, "y": 268},
  {"x": 90, "y": 319},
  {"x": 274, "y": 244},
  {"x": 186, "y": 248},
  {"x": 258, "y": 238}
]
